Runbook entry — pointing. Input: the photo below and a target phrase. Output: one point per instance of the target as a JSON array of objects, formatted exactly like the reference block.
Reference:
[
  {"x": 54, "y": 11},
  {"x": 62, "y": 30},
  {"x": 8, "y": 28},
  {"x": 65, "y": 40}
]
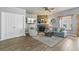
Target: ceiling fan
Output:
[{"x": 48, "y": 9}]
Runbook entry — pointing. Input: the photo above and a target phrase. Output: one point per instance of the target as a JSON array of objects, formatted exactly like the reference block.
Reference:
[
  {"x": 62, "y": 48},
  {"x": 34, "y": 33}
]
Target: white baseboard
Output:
[
  {"x": 2, "y": 39},
  {"x": 12, "y": 37}
]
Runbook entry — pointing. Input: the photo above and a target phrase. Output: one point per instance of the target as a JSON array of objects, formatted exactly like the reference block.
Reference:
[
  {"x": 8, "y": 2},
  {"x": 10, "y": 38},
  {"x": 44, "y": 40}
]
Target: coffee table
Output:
[{"x": 49, "y": 34}]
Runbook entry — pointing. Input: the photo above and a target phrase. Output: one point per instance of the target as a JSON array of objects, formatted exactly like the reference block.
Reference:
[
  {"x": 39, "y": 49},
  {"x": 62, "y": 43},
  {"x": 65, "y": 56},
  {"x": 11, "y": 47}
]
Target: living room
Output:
[
  {"x": 44, "y": 28},
  {"x": 50, "y": 26},
  {"x": 39, "y": 29},
  {"x": 55, "y": 20}
]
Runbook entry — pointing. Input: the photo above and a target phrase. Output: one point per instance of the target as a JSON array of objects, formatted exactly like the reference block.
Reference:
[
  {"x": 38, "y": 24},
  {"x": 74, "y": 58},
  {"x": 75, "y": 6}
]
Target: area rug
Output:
[{"x": 50, "y": 41}]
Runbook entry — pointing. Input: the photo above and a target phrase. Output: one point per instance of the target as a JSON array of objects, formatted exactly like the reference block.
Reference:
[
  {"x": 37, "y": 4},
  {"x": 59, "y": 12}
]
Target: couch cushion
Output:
[
  {"x": 58, "y": 30},
  {"x": 54, "y": 29}
]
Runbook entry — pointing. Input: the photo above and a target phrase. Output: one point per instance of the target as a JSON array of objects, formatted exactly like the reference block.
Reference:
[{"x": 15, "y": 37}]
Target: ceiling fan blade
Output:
[
  {"x": 49, "y": 10},
  {"x": 46, "y": 8},
  {"x": 52, "y": 8}
]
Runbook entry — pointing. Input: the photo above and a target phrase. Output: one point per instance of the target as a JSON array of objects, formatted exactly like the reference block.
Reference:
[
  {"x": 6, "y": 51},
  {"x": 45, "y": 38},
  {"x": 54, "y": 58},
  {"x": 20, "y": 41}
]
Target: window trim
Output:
[{"x": 60, "y": 18}]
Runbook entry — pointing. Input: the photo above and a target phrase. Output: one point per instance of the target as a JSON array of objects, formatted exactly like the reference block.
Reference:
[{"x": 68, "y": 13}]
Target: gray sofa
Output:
[
  {"x": 56, "y": 32},
  {"x": 61, "y": 32}
]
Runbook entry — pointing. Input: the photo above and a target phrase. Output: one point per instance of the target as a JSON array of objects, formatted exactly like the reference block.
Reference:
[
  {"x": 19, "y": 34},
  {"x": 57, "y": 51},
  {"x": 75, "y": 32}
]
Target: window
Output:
[{"x": 65, "y": 22}]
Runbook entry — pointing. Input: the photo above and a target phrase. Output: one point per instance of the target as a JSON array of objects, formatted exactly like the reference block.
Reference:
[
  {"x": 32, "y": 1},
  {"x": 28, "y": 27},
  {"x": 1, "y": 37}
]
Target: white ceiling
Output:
[{"x": 40, "y": 10}]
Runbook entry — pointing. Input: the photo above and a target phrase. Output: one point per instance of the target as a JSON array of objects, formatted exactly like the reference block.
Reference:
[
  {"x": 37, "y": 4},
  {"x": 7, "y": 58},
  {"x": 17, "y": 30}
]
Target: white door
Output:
[
  {"x": 12, "y": 25},
  {"x": 19, "y": 25}
]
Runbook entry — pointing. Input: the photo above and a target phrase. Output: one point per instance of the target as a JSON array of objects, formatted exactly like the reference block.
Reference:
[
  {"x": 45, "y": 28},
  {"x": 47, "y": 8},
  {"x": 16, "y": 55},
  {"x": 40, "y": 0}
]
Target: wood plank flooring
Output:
[{"x": 29, "y": 44}]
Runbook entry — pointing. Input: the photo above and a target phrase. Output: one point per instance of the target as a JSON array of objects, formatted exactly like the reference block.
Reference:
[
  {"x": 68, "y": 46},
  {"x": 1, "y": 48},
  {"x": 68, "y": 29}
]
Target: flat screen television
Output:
[{"x": 30, "y": 20}]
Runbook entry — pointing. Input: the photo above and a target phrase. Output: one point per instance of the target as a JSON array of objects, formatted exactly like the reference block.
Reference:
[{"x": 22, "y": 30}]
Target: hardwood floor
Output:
[{"x": 29, "y": 44}]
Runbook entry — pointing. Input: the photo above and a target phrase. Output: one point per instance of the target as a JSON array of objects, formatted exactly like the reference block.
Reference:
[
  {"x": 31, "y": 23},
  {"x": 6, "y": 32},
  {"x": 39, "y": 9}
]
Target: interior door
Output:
[
  {"x": 12, "y": 25},
  {"x": 19, "y": 21},
  {"x": 77, "y": 26},
  {"x": 7, "y": 25}
]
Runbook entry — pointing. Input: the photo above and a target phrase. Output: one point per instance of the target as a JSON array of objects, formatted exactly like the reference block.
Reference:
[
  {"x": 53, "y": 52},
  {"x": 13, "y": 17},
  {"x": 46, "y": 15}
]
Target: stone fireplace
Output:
[{"x": 42, "y": 22}]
